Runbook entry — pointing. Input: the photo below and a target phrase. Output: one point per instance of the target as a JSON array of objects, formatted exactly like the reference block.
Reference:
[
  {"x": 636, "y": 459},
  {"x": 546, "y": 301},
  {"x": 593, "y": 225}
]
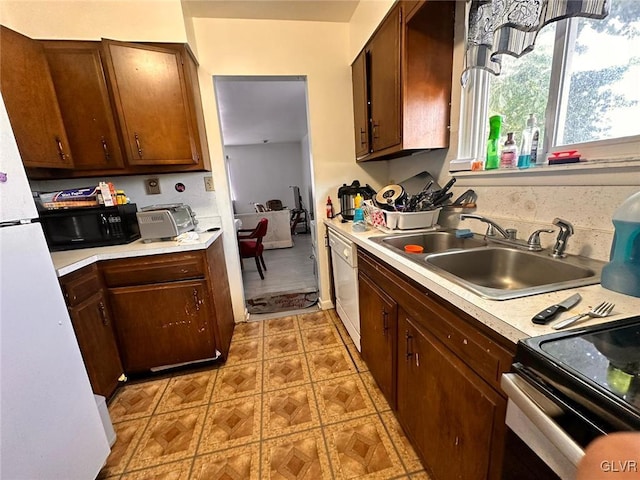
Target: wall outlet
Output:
[
  {"x": 208, "y": 184},
  {"x": 152, "y": 185}
]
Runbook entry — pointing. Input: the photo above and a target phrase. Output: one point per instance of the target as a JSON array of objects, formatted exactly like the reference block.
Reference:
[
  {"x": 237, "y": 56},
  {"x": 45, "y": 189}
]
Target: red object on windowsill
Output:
[{"x": 566, "y": 156}]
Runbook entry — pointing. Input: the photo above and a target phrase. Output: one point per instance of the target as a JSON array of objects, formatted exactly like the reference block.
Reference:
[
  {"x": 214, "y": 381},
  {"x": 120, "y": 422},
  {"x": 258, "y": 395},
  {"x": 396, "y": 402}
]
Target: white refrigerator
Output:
[{"x": 50, "y": 427}]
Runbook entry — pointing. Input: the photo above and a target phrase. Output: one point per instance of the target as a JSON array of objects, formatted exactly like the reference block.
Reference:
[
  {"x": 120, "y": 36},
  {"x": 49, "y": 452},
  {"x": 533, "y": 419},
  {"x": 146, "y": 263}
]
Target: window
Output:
[{"x": 582, "y": 82}]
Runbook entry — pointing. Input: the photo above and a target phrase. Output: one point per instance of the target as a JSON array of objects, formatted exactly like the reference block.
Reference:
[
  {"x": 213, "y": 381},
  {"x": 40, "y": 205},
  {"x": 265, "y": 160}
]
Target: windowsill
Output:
[{"x": 618, "y": 172}]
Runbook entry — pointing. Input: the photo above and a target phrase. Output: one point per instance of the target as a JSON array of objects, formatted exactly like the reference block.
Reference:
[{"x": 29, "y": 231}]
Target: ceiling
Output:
[
  {"x": 309, "y": 10},
  {"x": 257, "y": 110}
]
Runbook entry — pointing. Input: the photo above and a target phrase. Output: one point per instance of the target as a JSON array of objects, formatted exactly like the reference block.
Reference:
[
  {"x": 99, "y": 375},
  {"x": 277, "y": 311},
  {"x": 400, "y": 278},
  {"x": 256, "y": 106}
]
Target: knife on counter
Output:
[{"x": 548, "y": 313}]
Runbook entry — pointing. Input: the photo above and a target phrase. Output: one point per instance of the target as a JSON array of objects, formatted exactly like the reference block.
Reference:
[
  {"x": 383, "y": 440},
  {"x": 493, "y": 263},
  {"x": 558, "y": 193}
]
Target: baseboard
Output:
[{"x": 325, "y": 304}]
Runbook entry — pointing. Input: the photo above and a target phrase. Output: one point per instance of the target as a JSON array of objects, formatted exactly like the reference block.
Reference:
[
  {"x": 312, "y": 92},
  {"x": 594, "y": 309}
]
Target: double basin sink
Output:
[{"x": 494, "y": 271}]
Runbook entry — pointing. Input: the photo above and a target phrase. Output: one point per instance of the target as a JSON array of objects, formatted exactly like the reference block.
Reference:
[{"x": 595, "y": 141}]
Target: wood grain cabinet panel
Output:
[
  {"x": 405, "y": 84},
  {"x": 152, "y": 104},
  {"x": 378, "y": 325},
  {"x": 93, "y": 326},
  {"x": 30, "y": 99},
  {"x": 83, "y": 97},
  {"x": 163, "y": 324}
]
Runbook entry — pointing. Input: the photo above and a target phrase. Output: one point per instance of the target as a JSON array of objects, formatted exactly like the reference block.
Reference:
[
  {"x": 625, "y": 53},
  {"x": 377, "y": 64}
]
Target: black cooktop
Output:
[{"x": 597, "y": 367}]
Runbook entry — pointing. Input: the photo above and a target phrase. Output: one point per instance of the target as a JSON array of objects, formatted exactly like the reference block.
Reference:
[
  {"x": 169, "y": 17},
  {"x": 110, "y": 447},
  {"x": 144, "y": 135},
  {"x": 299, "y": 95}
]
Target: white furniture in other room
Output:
[
  {"x": 345, "y": 281},
  {"x": 279, "y": 231}
]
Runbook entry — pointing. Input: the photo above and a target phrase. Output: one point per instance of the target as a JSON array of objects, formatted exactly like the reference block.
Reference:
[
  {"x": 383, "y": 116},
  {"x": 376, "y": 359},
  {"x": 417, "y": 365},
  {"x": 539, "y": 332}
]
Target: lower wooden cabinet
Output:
[
  {"x": 443, "y": 368},
  {"x": 378, "y": 324},
  {"x": 448, "y": 411},
  {"x": 93, "y": 325},
  {"x": 171, "y": 308},
  {"x": 163, "y": 324}
]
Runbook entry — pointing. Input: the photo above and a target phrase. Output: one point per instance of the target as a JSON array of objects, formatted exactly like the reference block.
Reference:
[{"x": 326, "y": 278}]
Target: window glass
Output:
[
  {"x": 602, "y": 77},
  {"x": 523, "y": 86}
]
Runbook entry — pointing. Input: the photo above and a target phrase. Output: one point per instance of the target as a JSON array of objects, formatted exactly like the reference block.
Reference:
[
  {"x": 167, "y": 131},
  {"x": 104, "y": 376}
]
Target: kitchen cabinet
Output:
[
  {"x": 93, "y": 326},
  {"x": 446, "y": 370},
  {"x": 447, "y": 410},
  {"x": 170, "y": 308},
  {"x": 402, "y": 80},
  {"x": 29, "y": 95},
  {"x": 83, "y": 97},
  {"x": 153, "y": 104},
  {"x": 378, "y": 326}
]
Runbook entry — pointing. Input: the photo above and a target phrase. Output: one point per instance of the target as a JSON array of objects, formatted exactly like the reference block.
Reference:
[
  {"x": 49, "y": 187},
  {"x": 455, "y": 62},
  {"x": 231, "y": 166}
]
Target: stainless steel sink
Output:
[
  {"x": 493, "y": 271},
  {"x": 431, "y": 242},
  {"x": 501, "y": 273}
]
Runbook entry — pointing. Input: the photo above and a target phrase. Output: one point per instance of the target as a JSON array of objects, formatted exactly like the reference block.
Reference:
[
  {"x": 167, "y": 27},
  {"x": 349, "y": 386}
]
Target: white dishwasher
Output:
[{"x": 344, "y": 261}]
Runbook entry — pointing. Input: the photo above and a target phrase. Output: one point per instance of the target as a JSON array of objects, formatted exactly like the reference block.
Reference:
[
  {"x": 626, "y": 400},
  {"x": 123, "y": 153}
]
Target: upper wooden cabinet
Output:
[
  {"x": 81, "y": 88},
  {"x": 152, "y": 103},
  {"x": 406, "y": 87},
  {"x": 30, "y": 98}
]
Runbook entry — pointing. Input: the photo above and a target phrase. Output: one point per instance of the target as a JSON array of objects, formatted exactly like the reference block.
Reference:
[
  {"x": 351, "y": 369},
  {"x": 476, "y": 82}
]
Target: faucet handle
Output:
[{"x": 534, "y": 239}]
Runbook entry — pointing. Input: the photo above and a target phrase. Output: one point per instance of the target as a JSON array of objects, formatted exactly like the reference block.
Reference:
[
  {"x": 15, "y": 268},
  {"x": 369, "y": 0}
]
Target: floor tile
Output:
[
  {"x": 190, "y": 390},
  {"x": 343, "y": 398},
  {"x": 379, "y": 400},
  {"x": 169, "y": 437},
  {"x": 282, "y": 344},
  {"x": 315, "y": 319},
  {"x": 128, "y": 434},
  {"x": 280, "y": 325},
  {"x": 420, "y": 476},
  {"x": 137, "y": 400},
  {"x": 301, "y": 456},
  {"x": 325, "y": 336},
  {"x": 231, "y": 423},
  {"x": 240, "y": 381},
  {"x": 356, "y": 356},
  {"x": 288, "y": 411},
  {"x": 362, "y": 449},
  {"x": 170, "y": 471},
  {"x": 246, "y": 330},
  {"x": 245, "y": 351},
  {"x": 407, "y": 454},
  {"x": 283, "y": 372},
  {"x": 329, "y": 363},
  {"x": 241, "y": 463}
]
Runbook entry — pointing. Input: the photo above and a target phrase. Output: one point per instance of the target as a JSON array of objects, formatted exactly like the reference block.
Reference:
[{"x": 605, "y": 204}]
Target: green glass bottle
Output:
[{"x": 493, "y": 143}]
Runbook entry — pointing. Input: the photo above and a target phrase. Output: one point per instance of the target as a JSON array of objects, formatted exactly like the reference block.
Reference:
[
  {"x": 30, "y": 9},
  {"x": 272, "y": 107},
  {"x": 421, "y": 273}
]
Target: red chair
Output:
[{"x": 250, "y": 244}]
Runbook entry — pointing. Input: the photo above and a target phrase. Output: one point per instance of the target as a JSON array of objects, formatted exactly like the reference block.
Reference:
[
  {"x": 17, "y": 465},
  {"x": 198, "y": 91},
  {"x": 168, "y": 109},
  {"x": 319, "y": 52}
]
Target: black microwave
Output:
[{"x": 70, "y": 228}]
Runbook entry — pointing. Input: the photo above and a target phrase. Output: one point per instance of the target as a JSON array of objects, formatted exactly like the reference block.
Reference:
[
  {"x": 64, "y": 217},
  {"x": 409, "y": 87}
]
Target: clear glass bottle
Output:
[
  {"x": 529, "y": 144},
  {"x": 509, "y": 154}
]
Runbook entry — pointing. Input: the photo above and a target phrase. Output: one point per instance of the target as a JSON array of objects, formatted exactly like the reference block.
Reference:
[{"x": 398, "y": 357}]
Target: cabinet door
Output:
[
  {"x": 360, "y": 104},
  {"x": 30, "y": 98},
  {"x": 152, "y": 103},
  {"x": 378, "y": 325},
  {"x": 450, "y": 414},
  {"x": 162, "y": 324},
  {"x": 81, "y": 88},
  {"x": 384, "y": 58},
  {"x": 94, "y": 331}
]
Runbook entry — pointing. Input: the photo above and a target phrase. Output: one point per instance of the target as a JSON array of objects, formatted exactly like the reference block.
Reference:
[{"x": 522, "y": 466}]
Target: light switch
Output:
[{"x": 208, "y": 184}]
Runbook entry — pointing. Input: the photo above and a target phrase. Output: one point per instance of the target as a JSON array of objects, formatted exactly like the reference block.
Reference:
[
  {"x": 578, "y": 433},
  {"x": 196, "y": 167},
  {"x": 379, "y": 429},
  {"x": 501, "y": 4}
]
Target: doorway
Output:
[{"x": 264, "y": 128}]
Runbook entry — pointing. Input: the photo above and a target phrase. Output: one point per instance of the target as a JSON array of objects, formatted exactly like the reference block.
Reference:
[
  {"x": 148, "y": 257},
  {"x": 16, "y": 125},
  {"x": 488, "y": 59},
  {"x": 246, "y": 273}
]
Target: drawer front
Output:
[
  {"x": 154, "y": 269},
  {"x": 80, "y": 285}
]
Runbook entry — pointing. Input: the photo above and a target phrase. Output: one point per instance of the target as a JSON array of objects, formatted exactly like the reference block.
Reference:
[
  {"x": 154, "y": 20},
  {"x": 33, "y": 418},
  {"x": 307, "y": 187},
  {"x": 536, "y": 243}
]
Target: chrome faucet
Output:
[
  {"x": 566, "y": 230},
  {"x": 492, "y": 225}
]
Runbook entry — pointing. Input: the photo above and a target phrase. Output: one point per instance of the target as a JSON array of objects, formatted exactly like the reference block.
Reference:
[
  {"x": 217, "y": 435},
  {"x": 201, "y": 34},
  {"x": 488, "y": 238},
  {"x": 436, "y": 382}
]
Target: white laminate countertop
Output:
[
  {"x": 68, "y": 261},
  {"x": 509, "y": 318}
]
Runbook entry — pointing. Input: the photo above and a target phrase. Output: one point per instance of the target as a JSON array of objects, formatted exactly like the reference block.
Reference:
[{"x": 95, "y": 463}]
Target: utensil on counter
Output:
[
  {"x": 548, "y": 313},
  {"x": 599, "y": 311}
]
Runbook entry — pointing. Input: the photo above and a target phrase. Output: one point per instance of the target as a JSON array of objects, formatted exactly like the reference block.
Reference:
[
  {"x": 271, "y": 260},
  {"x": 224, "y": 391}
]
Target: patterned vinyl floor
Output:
[{"x": 293, "y": 401}]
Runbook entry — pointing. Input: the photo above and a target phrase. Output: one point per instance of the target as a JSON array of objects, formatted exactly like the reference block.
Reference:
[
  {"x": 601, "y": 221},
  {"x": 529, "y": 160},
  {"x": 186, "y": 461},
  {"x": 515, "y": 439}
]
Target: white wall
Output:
[
  {"x": 317, "y": 50},
  {"x": 264, "y": 172}
]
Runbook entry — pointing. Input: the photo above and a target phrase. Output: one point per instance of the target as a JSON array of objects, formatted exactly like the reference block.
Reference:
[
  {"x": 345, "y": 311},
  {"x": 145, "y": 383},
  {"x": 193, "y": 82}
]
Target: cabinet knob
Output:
[
  {"x": 408, "y": 338},
  {"x": 105, "y": 148},
  {"x": 103, "y": 313},
  {"x": 61, "y": 154}
]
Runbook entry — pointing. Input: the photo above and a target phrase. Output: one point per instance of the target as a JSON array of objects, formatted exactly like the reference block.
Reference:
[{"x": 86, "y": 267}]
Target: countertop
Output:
[
  {"x": 68, "y": 261},
  {"x": 509, "y": 318}
]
